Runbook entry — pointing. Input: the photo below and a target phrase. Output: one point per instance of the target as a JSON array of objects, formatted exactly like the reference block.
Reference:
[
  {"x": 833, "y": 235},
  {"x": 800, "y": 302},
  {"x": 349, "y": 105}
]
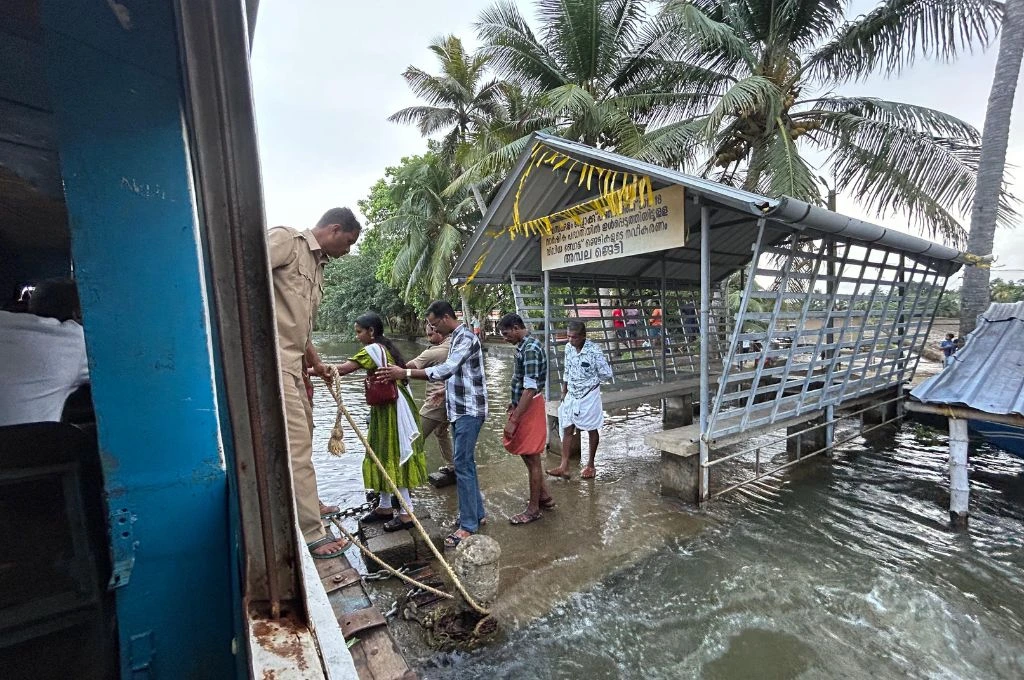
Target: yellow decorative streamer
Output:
[{"x": 633, "y": 191}]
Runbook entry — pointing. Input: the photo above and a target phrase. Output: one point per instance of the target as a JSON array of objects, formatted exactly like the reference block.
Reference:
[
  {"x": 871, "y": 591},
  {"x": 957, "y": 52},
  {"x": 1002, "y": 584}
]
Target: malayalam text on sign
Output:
[{"x": 597, "y": 236}]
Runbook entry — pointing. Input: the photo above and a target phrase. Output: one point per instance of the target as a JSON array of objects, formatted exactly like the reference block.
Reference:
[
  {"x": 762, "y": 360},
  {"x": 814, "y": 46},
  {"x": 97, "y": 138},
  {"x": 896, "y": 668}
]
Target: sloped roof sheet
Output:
[
  {"x": 988, "y": 372},
  {"x": 734, "y": 224}
]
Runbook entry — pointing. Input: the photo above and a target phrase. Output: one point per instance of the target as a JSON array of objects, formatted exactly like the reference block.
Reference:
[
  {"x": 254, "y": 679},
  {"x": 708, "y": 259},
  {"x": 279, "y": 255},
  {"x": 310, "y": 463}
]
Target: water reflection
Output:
[{"x": 845, "y": 570}]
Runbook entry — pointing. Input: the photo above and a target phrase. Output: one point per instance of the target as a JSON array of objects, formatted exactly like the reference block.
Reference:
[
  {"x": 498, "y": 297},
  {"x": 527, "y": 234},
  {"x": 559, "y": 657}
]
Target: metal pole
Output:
[
  {"x": 705, "y": 357},
  {"x": 547, "y": 334},
  {"x": 959, "y": 489},
  {"x": 663, "y": 338}
]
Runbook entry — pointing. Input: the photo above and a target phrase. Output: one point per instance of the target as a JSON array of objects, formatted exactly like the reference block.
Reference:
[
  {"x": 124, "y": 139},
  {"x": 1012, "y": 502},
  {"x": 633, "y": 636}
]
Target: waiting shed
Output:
[{"x": 773, "y": 312}]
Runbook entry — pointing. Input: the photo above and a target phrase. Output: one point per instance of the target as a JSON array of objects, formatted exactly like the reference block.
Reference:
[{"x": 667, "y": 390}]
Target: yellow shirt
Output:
[{"x": 297, "y": 265}]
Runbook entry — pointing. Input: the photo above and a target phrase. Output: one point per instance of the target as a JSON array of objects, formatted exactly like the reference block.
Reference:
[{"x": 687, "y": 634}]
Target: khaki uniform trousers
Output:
[
  {"x": 440, "y": 428},
  {"x": 299, "y": 414}
]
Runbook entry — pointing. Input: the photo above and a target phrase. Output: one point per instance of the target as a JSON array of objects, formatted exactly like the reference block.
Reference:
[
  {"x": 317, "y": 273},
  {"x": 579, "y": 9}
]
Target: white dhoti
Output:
[{"x": 586, "y": 413}]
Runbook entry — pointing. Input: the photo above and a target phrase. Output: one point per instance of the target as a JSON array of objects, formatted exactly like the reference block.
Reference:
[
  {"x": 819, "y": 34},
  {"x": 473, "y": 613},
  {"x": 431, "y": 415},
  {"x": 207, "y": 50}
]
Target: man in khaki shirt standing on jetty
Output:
[
  {"x": 297, "y": 260},
  {"x": 434, "y": 413}
]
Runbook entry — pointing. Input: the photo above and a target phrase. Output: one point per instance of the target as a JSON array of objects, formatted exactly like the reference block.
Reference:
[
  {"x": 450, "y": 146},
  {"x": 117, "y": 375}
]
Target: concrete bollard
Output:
[{"x": 476, "y": 565}]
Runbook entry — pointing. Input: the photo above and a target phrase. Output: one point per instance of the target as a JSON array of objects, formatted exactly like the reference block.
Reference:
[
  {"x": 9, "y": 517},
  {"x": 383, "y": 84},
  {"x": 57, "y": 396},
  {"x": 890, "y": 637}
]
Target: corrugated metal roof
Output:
[
  {"x": 735, "y": 223},
  {"x": 988, "y": 373}
]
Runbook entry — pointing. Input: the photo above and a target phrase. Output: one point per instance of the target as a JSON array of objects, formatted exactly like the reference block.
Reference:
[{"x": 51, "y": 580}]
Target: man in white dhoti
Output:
[{"x": 581, "y": 408}]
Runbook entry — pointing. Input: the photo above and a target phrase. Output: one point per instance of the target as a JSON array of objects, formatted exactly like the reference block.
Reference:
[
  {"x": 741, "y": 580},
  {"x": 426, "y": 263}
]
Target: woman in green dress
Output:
[{"x": 394, "y": 433}]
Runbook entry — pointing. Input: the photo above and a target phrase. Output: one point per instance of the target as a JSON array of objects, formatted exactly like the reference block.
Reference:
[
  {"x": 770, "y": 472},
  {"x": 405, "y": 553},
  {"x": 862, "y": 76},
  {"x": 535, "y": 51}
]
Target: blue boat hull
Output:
[{"x": 1007, "y": 437}]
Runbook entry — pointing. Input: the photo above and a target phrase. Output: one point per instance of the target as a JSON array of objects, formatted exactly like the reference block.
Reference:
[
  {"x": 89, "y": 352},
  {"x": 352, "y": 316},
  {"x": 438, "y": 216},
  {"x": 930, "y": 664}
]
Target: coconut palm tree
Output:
[
  {"x": 456, "y": 101},
  {"x": 598, "y": 71},
  {"x": 776, "y": 108},
  {"x": 975, "y": 294},
  {"x": 744, "y": 91},
  {"x": 433, "y": 225}
]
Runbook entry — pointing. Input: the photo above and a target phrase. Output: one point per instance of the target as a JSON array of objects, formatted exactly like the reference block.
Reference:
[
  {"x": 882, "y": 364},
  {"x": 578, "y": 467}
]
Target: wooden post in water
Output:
[{"x": 959, "y": 487}]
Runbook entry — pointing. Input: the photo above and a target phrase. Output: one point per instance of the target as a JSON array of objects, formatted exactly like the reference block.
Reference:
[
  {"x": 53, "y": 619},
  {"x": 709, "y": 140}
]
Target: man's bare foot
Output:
[
  {"x": 588, "y": 472},
  {"x": 328, "y": 509},
  {"x": 559, "y": 472}
]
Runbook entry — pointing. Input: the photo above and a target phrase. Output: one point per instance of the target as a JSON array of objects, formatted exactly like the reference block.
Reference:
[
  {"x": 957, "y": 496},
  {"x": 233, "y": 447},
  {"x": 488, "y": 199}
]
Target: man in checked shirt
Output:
[
  {"x": 466, "y": 402},
  {"x": 526, "y": 433}
]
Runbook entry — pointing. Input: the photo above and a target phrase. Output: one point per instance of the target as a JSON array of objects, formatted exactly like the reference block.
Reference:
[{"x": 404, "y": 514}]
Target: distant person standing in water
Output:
[
  {"x": 948, "y": 347},
  {"x": 297, "y": 261}
]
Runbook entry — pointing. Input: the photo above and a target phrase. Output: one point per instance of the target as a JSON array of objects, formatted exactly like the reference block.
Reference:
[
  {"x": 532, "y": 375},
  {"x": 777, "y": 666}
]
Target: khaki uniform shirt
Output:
[
  {"x": 432, "y": 356},
  {"x": 297, "y": 264}
]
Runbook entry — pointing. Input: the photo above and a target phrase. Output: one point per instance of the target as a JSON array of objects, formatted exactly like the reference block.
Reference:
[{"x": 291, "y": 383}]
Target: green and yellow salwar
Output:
[{"x": 383, "y": 437}]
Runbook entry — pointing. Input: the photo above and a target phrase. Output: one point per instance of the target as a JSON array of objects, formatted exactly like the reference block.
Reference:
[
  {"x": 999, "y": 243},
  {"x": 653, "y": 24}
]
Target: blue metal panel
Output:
[{"x": 116, "y": 95}]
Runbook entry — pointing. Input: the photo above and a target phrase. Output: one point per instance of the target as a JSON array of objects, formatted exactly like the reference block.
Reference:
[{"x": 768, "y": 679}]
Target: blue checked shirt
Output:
[
  {"x": 466, "y": 394},
  {"x": 531, "y": 368}
]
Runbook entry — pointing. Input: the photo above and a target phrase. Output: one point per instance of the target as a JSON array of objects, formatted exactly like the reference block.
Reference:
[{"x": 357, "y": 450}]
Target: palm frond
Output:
[
  {"x": 753, "y": 93},
  {"x": 707, "y": 39},
  {"x": 893, "y": 35},
  {"x": 781, "y": 170},
  {"x": 909, "y": 116},
  {"x": 865, "y": 152},
  {"x": 514, "y": 50}
]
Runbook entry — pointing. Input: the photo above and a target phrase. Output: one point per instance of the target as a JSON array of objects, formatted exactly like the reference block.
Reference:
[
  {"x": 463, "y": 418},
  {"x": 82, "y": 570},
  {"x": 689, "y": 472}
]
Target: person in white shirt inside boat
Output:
[
  {"x": 44, "y": 351},
  {"x": 581, "y": 409}
]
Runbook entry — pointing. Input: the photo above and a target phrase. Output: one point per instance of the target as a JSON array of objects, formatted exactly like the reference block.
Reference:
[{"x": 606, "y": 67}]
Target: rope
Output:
[
  {"x": 394, "y": 572},
  {"x": 335, "y": 378}
]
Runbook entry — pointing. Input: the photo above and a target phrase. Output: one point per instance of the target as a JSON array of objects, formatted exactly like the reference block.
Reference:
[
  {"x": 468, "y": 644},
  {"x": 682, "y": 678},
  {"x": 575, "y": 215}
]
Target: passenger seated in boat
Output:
[{"x": 44, "y": 355}]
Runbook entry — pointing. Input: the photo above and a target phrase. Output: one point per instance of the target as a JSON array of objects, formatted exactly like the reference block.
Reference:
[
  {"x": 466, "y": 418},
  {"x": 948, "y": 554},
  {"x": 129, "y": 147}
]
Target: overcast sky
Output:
[{"x": 327, "y": 74}]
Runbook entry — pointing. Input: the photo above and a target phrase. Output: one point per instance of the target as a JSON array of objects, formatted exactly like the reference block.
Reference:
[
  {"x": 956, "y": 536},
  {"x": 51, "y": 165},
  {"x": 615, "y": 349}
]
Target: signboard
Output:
[{"x": 598, "y": 237}]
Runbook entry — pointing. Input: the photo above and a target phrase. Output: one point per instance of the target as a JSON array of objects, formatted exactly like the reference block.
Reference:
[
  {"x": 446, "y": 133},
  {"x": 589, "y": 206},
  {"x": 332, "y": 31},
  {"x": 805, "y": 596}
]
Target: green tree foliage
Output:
[
  {"x": 745, "y": 92},
  {"x": 353, "y": 285},
  {"x": 433, "y": 225},
  {"x": 1007, "y": 291},
  {"x": 458, "y": 100}
]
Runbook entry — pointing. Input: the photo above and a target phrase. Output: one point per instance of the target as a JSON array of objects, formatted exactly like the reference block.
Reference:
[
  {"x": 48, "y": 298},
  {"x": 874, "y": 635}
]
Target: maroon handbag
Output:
[{"x": 380, "y": 392}]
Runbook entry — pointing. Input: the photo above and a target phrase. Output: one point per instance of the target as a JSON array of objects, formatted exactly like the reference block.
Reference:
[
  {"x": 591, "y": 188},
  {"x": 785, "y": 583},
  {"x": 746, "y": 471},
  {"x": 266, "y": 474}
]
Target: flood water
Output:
[{"x": 846, "y": 570}]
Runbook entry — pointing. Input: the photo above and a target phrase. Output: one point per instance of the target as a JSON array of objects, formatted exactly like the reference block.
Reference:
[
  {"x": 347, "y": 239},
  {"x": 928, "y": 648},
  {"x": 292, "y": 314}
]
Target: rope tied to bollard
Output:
[{"x": 335, "y": 390}]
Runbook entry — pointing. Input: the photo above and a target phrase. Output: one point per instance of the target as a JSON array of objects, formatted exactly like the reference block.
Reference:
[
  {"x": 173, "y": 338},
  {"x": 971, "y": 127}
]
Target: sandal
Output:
[
  {"x": 374, "y": 516},
  {"x": 453, "y": 539},
  {"x": 457, "y": 522},
  {"x": 396, "y": 524},
  {"x": 324, "y": 541},
  {"x": 524, "y": 518},
  {"x": 548, "y": 504}
]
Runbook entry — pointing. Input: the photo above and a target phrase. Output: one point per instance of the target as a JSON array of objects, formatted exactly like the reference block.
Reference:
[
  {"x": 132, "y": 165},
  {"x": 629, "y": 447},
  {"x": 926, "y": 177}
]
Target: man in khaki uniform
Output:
[
  {"x": 297, "y": 260},
  {"x": 434, "y": 413}
]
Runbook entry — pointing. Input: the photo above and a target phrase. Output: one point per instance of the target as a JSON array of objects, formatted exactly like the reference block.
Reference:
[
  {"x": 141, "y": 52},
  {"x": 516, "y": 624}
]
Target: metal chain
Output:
[
  {"x": 383, "y": 574},
  {"x": 356, "y": 511}
]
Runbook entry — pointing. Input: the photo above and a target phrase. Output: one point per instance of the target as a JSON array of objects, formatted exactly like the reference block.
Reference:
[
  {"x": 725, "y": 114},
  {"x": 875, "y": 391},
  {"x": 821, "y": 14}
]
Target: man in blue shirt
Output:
[
  {"x": 466, "y": 400},
  {"x": 948, "y": 347}
]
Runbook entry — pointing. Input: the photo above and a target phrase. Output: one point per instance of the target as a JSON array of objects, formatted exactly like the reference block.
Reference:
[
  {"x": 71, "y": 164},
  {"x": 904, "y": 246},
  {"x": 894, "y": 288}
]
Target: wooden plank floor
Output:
[{"x": 375, "y": 654}]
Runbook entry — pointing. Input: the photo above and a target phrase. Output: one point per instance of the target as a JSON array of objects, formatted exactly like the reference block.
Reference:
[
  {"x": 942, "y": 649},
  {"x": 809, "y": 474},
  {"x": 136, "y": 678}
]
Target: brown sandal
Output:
[{"x": 524, "y": 518}]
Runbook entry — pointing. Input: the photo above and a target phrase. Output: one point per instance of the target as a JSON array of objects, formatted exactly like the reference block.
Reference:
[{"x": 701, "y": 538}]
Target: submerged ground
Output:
[{"x": 847, "y": 569}]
